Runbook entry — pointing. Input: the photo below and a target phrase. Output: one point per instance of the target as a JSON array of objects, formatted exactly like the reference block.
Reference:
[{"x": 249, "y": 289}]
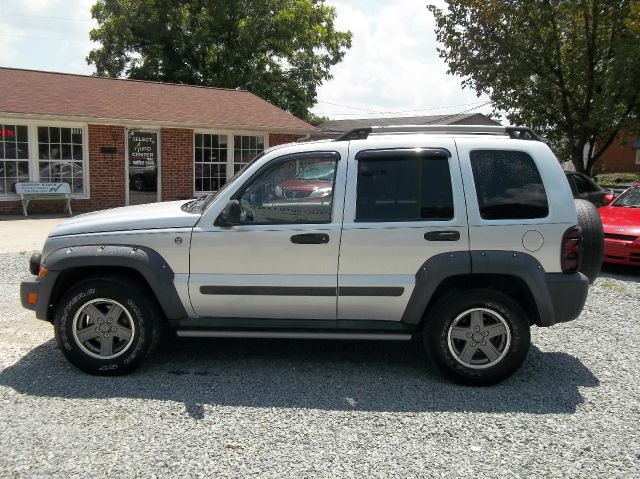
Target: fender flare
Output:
[
  {"x": 462, "y": 263},
  {"x": 146, "y": 261}
]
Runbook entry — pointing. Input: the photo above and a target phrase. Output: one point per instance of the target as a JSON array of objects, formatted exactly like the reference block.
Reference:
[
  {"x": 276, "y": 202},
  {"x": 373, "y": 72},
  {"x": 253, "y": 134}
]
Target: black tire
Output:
[
  {"x": 500, "y": 310},
  {"x": 139, "y": 317},
  {"x": 592, "y": 243}
]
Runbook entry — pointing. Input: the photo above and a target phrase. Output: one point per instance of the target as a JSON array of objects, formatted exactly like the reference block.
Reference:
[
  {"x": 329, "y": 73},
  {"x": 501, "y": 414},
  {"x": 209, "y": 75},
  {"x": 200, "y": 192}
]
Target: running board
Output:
[{"x": 294, "y": 335}]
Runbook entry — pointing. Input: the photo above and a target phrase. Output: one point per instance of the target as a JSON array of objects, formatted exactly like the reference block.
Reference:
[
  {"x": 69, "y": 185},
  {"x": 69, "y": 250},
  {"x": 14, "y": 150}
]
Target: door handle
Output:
[
  {"x": 442, "y": 235},
  {"x": 310, "y": 238}
]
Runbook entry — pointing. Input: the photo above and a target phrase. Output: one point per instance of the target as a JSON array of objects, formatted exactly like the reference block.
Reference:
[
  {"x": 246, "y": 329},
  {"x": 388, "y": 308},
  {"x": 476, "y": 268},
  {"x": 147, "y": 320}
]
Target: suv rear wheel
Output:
[
  {"x": 477, "y": 337},
  {"x": 106, "y": 326}
]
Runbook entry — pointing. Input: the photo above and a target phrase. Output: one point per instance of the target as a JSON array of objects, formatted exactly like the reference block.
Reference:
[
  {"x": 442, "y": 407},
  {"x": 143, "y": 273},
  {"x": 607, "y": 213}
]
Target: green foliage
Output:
[
  {"x": 617, "y": 178},
  {"x": 281, "y": 50},
  {"x": 568, "y": 68}
]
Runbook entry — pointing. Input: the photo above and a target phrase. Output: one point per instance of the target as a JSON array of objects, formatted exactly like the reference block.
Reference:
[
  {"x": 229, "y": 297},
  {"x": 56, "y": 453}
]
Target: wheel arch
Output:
[
  {"x": 518, "y": 274},
  {"x": 512, "y": 286},
  {"x": 143, "y": 265}
]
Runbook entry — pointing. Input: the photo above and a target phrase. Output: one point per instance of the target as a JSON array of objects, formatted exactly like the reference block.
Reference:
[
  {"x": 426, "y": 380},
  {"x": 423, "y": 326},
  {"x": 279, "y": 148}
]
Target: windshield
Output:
[
  {"x": 629, "y": 199},
  {"x": 317, "y": 171},
  {"x": 202, "y": 202}
]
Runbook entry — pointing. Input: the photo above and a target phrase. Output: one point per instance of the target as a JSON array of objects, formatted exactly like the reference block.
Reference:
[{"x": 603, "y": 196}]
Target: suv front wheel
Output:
[
  {"x": 477, "y": 337},
  {"x": 106, "y": 326}
]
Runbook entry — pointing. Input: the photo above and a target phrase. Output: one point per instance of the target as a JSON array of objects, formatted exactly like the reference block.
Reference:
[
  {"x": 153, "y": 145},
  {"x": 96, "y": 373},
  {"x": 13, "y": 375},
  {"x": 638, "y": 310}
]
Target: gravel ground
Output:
[{"x": 240, "y": 408}]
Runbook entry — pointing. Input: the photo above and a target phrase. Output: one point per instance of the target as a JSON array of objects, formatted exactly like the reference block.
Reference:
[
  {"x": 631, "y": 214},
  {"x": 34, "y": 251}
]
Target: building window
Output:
[
  {"x": 213, "y": 163},
  {"x": 245, "y": 149},
  {"x": 14, "y": 157},
  {"x": 61, "y": 156},
  {"x": 210, "y": 162}
]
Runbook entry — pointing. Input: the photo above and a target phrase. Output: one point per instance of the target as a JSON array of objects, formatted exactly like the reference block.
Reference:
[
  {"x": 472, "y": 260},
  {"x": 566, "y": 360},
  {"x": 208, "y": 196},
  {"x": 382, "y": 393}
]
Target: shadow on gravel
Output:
[
  {"x": 621, "y": 272},
  {"x": 342, "y": 376}
]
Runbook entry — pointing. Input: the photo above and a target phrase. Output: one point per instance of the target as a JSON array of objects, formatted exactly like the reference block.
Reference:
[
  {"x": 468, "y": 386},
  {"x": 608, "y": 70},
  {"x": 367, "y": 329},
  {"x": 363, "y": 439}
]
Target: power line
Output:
[
  {"x": 368, "y": 110},
  {"x": 31, "y": 37},
  {"x": 468, "y": 110},
  {"x": 48, "y": 17}
]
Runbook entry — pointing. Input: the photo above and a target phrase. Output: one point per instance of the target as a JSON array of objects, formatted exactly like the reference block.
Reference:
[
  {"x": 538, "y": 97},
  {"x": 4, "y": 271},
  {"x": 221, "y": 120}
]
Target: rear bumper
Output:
[{"x": 568, "y": 294}]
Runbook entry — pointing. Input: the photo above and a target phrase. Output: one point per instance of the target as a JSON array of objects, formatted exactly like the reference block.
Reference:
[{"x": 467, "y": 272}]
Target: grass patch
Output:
[{"x": 611, "y": 286}]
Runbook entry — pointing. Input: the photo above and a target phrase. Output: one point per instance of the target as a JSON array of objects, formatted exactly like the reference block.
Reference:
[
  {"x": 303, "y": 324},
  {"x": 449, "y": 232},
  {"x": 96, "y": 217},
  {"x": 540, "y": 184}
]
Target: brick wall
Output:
[
  {"x": 620, "y": 157},
  {"x": 177, "y": 163},
  {"x": 106, "y": 171},
  {"x": 280, "y": 138}
]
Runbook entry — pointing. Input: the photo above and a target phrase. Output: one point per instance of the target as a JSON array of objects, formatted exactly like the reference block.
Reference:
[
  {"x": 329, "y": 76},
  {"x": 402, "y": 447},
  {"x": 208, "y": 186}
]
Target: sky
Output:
[{"x": 392, "y": 68}]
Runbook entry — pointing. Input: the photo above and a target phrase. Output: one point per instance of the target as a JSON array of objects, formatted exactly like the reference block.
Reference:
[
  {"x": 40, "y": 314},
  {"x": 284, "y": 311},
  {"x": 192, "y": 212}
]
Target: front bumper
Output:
[
  {"x": 622, "y": 252},
  {"x": 43, "y": 289},
  {"x": 29, "y": 288}
]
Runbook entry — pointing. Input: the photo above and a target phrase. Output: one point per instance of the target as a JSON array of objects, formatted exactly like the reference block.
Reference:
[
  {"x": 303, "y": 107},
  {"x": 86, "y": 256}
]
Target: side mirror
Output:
[
  {"x": 230, "y": 215},
  {"x": 608, "y": 198}
]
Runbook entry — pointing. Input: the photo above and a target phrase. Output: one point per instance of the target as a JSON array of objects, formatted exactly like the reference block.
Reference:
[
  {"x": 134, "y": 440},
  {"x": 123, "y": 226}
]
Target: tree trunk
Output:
[{"x": 577, "y": 158}]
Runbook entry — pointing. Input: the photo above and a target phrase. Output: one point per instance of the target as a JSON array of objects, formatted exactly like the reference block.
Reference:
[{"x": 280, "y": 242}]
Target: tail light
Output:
[{"x": 571, "y": 252}]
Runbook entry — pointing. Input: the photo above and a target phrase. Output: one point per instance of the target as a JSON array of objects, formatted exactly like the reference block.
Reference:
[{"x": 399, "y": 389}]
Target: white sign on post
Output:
[{"x": 33, "y": 188}]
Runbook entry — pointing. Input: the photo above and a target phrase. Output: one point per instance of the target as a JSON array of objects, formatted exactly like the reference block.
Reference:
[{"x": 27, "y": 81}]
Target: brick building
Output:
[
  {"x": 623, "y": 155},
  {"x": 119, "y": 142}
]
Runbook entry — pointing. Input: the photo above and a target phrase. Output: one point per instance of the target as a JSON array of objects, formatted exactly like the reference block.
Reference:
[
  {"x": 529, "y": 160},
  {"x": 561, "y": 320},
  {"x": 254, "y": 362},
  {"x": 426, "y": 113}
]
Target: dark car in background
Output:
[{"x": 584, "y": 188}]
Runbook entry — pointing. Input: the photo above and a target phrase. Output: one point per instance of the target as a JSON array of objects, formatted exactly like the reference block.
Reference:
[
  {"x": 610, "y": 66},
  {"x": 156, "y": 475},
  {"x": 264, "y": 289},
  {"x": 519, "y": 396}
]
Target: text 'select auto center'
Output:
[{"x": 119, "y": 142}]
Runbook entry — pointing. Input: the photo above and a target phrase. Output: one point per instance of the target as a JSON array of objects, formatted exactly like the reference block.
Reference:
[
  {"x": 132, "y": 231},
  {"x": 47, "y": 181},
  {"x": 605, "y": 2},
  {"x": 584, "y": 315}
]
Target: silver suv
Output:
[{"x": 461, "y": 236}]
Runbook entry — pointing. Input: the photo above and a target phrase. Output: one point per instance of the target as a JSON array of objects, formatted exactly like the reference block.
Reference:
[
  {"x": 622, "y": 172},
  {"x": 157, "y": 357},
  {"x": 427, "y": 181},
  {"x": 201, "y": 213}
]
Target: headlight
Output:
[{"x": 320, "y": 192}]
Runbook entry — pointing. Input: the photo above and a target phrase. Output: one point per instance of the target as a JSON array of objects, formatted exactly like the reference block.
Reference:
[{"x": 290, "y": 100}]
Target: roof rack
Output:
[{"x": 514, "y": 132}]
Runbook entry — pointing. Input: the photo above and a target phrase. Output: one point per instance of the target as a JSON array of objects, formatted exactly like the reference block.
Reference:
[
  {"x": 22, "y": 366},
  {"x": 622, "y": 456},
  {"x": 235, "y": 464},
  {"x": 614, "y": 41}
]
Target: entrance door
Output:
[{"x": 143, "y": 161}]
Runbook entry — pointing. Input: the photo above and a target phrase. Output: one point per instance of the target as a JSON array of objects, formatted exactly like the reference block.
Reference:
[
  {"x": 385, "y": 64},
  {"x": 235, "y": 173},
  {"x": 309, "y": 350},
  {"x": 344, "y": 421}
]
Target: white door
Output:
[
  {"x": 282, "y": 260},
  {"x": 409, "y": 206}
]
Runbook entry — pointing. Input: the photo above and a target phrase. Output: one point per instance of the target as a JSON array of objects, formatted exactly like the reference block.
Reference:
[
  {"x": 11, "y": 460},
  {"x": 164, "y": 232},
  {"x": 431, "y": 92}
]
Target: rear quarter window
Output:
[{"x": 508, "y": 185}]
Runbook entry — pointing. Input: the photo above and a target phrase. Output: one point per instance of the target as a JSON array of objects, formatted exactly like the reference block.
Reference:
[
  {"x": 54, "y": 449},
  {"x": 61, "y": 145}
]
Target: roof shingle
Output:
[{"x": 78, "y": 96}]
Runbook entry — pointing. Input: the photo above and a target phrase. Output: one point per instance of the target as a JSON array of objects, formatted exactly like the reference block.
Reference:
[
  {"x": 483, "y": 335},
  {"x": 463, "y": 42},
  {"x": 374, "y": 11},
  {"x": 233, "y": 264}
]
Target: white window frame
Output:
[
  {"x": 34, "y": 161},
  {"x": 230, "y": 134}
]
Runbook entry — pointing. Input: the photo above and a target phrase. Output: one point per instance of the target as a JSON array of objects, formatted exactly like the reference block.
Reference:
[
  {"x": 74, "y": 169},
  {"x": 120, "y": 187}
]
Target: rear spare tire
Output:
[{"x": 592, "y": 243}]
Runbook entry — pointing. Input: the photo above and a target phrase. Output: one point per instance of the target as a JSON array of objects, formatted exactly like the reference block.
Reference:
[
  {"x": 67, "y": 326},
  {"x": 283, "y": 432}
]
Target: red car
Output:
[
  {"x": 314, "y": 183},
  {"x": 621, "y": 221}
]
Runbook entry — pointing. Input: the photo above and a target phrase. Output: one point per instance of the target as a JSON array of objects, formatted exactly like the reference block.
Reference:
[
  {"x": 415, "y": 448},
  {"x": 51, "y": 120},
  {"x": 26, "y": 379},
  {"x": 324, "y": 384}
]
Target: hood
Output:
[
  {"x": 615, "y": 218},
  {"x": 148, "y": 216}
]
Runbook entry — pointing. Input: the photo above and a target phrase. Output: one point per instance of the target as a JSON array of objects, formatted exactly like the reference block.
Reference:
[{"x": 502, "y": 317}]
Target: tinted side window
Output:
[
  {"x": 292, "y": 190},
  {"x": 508, "y": 185},
  {"x": 404, "y": 188}
]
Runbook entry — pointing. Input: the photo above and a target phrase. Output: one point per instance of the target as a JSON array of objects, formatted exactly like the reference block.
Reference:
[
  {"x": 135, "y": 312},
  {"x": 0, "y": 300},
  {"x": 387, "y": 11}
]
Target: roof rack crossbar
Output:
[{"x": 514, "y": 132}]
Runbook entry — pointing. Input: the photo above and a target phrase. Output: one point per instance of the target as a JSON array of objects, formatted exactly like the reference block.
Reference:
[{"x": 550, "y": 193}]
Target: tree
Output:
[
  {"x": 568, "y": 68},
  {"x": 281, "y": 50}
]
